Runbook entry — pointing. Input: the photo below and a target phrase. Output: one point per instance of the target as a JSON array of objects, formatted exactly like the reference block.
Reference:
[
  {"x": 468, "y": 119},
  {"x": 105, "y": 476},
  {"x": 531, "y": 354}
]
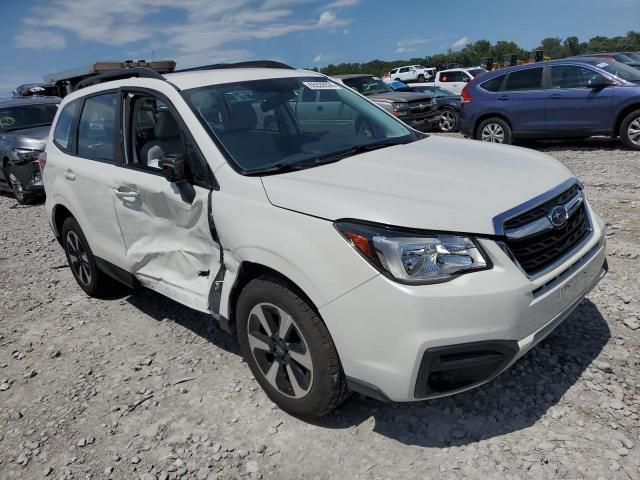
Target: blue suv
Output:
[{"x": 570, "y": 98}]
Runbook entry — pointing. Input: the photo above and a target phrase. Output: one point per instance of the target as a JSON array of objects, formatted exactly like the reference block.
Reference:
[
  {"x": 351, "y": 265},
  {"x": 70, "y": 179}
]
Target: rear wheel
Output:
[
  {"x": 421, "y": 78},
  {"x": 448, "y": 120},
  {"x": 630, "y": 130},
  {"x": 494, "y": 130},
  {"x": 82, "y": 262},
  {"x": 289, "y": 349}
]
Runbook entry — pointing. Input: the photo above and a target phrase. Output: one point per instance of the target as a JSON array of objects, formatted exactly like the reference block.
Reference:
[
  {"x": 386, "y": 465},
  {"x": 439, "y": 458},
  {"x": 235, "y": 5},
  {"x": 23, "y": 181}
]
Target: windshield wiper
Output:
[{"x": 283, "y": 167}]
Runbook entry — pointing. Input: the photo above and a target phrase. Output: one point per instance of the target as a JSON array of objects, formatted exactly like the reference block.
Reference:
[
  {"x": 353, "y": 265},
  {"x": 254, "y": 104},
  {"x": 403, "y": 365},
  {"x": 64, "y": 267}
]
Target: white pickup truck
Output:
[{"x": 455, "y": 79}]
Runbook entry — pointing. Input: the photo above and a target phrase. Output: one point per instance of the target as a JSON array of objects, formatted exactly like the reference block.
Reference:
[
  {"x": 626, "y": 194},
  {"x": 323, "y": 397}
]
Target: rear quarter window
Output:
[
  {"x": 493, "y": 85},
  {"x": 63, "y": 134}
]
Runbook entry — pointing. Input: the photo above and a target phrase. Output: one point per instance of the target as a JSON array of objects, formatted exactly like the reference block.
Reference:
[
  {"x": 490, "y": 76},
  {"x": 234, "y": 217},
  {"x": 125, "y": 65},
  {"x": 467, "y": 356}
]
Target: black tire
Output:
[
  {"x": 630, "y": 130},
  {"x": 398, "y": 80},
  {"x": 321, "y": 386},
  {"x": 450, "y": 123},
  {"x": 421, "y": 78},
  {"x": 22, "y": 196},
  {"x": 500, "y": 128},
  {"x": 94, "y": 282}
]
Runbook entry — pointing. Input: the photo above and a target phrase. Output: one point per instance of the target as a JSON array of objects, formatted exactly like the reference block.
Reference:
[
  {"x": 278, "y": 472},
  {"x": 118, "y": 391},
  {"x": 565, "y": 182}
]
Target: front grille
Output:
[
  {"x": 542, "y": 210},
  {"x": 538, "y": 251},
  {"x": 418, "y": 106}
]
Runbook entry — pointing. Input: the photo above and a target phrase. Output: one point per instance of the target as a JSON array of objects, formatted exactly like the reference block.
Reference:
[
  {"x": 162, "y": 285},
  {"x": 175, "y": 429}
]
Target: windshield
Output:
[
  {"x": 367, "y": 85},
  {"x": 633, "y": 56},
  {"x": 276, "y": 125},
  {"x": 618, "y": 69},
  {"x": 27, "y": 116}
]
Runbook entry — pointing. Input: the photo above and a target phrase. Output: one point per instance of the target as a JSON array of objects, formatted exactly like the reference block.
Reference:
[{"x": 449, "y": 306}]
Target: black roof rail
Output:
[
  {"x": 140, "y": 72},
  {"x": 250, "y": 64}
]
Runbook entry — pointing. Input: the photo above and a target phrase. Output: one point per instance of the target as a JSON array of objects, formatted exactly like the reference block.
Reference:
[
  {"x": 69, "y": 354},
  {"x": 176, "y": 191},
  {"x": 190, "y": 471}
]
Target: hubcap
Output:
[
  {"x": 17, "y": 186},
  {"x": 280, "y": 350},
  {"x": 78, "y": 258},
  {"x": 447, "y": 121},
  {"x": 493, "y": 133},
  {"x": 634, "y": 131}
]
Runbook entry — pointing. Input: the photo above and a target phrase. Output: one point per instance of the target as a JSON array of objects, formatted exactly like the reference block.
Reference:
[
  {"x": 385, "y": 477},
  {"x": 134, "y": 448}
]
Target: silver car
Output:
[{"x": 24, "y": 129}]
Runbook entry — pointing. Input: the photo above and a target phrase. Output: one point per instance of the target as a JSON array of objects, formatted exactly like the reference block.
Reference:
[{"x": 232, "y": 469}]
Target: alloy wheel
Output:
[
  {"x": 280, "y": 350},
  {"x": 447, "y": 121},
  {"x": 493, "y": 133},
  {"x": 634, "y": 131},
  {"x": 18, "y": 189},
  {"x": 78, "y": 258}
]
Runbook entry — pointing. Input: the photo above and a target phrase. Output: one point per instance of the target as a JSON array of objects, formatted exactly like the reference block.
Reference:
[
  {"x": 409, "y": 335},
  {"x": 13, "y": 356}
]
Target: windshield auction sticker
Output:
[{"x": 322, "y": 86}]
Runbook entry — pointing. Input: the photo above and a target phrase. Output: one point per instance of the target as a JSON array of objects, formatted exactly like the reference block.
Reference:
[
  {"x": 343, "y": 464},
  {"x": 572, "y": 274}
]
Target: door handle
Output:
[
  {"x": 69, "y": 175},
  {"x": 503, "y": 97},
  {"x": 125, "y": 193},
  {"x": 555, "y": 96}
]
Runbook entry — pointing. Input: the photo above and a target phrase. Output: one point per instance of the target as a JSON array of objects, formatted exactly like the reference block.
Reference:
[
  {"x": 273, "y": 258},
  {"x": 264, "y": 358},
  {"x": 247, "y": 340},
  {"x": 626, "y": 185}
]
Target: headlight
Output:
[
  {"x": 25, "y": 155},
  {"x": 415, "y": 258},
  {"x": 400, "y": 109}
]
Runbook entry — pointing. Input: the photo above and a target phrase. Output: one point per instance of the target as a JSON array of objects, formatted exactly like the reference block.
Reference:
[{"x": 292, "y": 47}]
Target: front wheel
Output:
[
  {"x": 494, "y": 130},
  {"x": 288, "y": 348},
  {"x": 630, "y": 130},
  {"x": 449, "y": 121},
  {"x": 22, "y": 196},
  {"x": 420, "y": 78},
  {"x": 82, "y": 261}
]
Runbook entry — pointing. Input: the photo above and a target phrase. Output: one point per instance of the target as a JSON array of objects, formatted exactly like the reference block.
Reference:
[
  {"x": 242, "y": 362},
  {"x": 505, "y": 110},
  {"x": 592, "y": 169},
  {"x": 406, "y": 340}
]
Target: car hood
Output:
[
  {"x": 399, "y": 97},
  {"x": 31, "y": 138},
  {"x": 435, "y": 183}
]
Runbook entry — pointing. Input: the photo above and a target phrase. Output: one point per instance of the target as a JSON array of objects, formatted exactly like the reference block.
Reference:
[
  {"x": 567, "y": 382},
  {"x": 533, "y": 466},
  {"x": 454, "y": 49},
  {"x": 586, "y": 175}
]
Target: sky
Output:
[{"x": 44, "y": 36}]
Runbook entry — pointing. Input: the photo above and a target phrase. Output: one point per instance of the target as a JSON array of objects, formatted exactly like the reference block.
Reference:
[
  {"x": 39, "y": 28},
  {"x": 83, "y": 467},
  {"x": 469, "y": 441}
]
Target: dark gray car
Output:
[
  {"x": 417, "y": 110},
  {"x": 24, "y": 129}
]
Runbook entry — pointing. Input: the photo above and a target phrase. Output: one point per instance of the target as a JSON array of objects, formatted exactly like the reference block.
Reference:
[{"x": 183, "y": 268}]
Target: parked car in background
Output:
[
  {"x": 412, "y": 73},
  {"x": 447, "y": 102},
  {"x": 381, "y": 260},
  {"x": 24, "y": 128},
  {"x": 568, "y": 98},
  {"x": 417, "y": 110},
  {"x": 455, "y": 79},
  {"x": 615, "y": 56}
]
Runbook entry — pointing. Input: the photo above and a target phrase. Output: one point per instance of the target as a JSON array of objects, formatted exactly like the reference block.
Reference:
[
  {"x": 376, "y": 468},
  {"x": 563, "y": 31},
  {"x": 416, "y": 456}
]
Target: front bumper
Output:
[
  {"x": 415, "y": 342},
  {"x": 29, "y": 175},
  {"x": 422, "y": 121}
]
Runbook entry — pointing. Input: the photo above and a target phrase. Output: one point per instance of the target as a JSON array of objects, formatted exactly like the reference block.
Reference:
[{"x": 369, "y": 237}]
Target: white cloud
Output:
[
  {"x": 342, "y": 3},
  {"x": 213, "y": 30},
  {"x": 32, "y": 38},
  {"x": 460, "y": 43},
  {"x": 317, "y": 58},
  {"x": 407, "y": 45}
]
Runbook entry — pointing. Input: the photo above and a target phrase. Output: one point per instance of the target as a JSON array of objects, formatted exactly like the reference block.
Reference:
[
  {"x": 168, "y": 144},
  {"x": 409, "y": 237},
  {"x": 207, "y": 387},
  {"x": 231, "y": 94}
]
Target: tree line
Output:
[{"x": 473, "y": 53}]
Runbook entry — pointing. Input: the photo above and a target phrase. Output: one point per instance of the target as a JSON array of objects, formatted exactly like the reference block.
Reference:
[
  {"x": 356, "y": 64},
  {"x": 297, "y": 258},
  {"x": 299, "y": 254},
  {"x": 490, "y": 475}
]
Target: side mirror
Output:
[
  {"x": 172, "y": 166},
  {"x": 599, "y": 83},
  {"x": 173, "y": 169}
]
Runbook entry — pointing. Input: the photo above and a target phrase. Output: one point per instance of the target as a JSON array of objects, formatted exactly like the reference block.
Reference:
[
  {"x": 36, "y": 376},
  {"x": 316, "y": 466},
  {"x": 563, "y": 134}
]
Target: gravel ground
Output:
[{"x": 140, "y": 387}]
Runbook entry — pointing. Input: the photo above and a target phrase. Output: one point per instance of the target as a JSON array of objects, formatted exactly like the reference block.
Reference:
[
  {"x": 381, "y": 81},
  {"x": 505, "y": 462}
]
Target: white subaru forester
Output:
[{"x": 348, "y": 251}]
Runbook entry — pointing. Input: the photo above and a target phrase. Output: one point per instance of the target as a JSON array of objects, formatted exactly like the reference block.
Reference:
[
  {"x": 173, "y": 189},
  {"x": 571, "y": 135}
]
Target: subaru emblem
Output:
[{"x": 558, "y": 216}]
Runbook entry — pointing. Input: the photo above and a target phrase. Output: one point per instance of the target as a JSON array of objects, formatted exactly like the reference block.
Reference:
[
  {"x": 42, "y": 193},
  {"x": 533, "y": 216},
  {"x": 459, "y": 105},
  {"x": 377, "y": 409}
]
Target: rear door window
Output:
[
  {"x": 451, "y": 77},
  {"x": 97, "y": 126},
  {"x": 530, "y": 79},
  {"x": 62, "y": 135}
]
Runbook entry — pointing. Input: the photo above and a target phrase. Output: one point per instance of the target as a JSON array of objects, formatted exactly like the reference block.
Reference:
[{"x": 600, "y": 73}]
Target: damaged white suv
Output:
[{"x": 348, "y": 251}]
